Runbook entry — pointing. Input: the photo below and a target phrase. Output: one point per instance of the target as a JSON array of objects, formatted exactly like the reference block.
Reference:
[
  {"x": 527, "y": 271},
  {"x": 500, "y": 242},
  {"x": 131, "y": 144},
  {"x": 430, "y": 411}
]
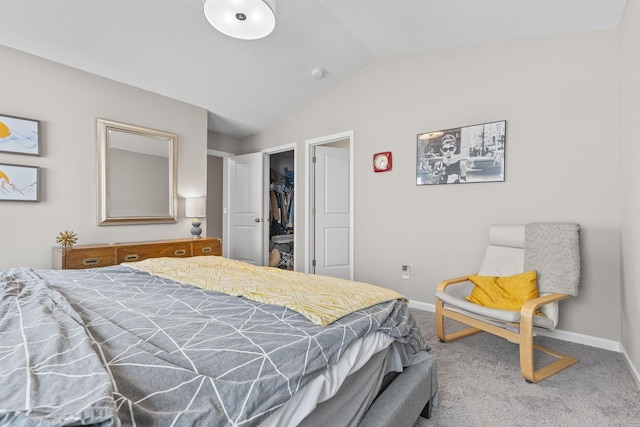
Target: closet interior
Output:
[{"x": 281, "y": 208}]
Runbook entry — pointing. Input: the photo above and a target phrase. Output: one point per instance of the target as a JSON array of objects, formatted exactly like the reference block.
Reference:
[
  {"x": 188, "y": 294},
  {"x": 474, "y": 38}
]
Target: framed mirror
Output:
[{"x": 137, "y": 174}]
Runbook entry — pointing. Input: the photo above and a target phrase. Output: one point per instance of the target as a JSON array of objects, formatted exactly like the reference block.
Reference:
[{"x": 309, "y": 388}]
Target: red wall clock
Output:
[{"x": 382, "y": 161}]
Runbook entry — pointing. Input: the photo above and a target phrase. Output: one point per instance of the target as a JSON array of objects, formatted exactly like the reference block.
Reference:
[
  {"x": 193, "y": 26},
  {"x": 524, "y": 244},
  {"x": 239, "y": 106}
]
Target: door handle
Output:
[{"x": 258, "y": 220}]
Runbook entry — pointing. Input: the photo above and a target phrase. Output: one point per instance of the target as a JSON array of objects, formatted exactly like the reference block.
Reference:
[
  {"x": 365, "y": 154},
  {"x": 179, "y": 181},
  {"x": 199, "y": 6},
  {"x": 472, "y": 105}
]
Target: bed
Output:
[{"x": 155, "y": 343}]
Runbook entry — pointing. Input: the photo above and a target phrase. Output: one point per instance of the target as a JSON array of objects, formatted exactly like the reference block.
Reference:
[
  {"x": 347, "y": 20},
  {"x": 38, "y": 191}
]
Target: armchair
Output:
[{"x": 550, "y": 249}]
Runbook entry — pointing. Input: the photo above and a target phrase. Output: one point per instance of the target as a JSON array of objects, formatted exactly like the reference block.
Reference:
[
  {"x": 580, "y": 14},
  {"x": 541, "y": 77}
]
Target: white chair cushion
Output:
[
  {"x": 502, "y": 261},
  {"x": 509, "y": 261},
  {"x": 507, "y": 235},
  {"x": 499, "y": 260},
  {"x": 455, "y": 294}
]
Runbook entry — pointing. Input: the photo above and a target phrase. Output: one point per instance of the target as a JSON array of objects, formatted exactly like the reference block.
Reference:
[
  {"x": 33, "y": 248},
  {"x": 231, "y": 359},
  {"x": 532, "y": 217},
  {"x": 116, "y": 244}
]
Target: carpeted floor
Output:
[{"x": 480, "y": 385}]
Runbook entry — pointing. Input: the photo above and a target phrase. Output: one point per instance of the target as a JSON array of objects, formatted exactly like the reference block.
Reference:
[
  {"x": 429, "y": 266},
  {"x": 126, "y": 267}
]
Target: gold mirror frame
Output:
[{"x": 137, "y": 174}]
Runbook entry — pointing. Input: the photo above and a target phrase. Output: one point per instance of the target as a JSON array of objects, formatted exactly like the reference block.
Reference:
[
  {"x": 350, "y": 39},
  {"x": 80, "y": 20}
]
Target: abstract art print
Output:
[
  {"x": 19, "y": 136},
  {"x": 462, "y": 155},
  {"x": 19, "y": 183}
]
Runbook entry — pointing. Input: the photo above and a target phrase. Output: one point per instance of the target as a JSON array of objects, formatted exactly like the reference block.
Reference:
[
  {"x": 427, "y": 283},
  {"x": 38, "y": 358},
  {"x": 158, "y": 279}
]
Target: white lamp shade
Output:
[
  {"x": 195, "y": 207},
  {"x": 241, "y": 19}
]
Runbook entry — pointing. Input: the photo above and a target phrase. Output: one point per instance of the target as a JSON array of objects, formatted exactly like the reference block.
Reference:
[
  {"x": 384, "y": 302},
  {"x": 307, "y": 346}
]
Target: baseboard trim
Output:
[
  {"x": 582, "y": 339},
  {"x": 422, "y": 306},
  {"x": 632, "y": 368},
  {"x": 565, "y": 336}
]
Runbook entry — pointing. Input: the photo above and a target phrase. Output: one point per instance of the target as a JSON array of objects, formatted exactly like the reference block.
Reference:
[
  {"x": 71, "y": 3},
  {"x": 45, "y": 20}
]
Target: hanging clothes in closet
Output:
[{"x": 281, "y": 219}]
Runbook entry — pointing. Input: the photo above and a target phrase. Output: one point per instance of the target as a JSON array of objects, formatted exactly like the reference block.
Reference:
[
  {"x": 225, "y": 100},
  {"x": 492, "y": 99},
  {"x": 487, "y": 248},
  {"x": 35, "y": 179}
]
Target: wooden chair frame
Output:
[{"x": 524, "y": 336}]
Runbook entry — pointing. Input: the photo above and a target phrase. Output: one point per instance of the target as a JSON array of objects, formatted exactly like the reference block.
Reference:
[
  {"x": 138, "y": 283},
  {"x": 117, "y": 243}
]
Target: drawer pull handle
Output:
[
  {"x": 207, "y": 249},
  {"x": 180, "y": 252},
  {"x": 91, "y": 261},
  {"x": 131, "y": 257}
]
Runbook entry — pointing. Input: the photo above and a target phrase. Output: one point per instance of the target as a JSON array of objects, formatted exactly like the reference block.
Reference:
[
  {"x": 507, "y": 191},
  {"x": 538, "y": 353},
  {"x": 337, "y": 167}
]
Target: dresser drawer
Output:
[
  {"x": 90, "y": 258},
  {"x": 206, "y": 247},
  {"x": 140, "y": 252}
]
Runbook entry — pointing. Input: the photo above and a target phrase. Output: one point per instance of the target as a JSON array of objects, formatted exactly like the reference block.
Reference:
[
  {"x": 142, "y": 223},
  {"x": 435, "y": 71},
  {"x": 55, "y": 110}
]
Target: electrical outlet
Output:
[{"x": 406, "y": 270}]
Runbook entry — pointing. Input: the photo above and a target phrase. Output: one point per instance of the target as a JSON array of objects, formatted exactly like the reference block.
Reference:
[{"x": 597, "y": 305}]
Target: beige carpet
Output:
[{"x": 480, "y": 385}]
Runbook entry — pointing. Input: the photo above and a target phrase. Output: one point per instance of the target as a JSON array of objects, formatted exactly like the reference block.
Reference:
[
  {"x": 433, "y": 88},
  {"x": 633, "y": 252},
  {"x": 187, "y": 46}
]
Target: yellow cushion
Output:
[{"x": 505, "y": 293}]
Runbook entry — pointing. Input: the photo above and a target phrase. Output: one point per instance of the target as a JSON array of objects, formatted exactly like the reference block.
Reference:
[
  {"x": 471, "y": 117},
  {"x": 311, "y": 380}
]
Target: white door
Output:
[
  {"x": 332, "y": 217},
  {"x": 244, "y": 208}
]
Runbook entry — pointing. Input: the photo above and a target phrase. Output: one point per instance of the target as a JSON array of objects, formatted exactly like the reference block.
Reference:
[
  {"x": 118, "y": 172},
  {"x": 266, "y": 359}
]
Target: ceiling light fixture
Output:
[{"x": 241, "y": 19}]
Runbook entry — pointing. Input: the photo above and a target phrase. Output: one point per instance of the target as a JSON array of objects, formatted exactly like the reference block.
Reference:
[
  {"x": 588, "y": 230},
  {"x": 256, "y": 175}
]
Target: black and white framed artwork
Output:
[{"x": 462, "y": 155}]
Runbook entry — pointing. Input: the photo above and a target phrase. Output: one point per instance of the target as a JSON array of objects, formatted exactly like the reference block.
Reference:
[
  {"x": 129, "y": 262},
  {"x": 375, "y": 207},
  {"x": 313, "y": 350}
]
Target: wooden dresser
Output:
[{"x": 91, "y": 256}]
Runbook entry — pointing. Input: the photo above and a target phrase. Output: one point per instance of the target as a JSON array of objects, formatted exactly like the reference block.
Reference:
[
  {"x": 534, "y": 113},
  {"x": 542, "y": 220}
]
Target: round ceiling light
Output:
[{"x": 241, "y": 19}]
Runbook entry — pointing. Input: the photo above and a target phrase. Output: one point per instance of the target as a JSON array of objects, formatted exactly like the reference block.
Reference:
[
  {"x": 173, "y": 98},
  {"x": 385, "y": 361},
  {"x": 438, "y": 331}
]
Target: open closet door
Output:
[{"x": 243, "y": 238}]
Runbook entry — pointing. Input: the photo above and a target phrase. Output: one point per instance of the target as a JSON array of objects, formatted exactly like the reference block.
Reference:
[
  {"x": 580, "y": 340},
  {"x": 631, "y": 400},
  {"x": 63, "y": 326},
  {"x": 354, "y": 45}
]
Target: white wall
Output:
[
  {"x": 560, "y": 99},
  {"x": 630, "y": 90},
  {"x": 68, "y": 102}
]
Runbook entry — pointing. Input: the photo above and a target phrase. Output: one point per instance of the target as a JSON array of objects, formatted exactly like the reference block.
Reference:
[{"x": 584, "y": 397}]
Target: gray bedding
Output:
[{"x": 115, "y": 346}]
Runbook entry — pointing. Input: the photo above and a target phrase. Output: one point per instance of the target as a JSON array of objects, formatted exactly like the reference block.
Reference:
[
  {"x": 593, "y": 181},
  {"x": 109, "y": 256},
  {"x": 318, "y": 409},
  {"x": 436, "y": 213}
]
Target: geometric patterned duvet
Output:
[{"x": 116, "y": 346}]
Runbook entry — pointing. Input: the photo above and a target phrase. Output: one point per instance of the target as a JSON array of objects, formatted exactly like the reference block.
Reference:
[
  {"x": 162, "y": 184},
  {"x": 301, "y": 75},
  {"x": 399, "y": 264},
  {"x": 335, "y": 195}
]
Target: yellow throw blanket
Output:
[{"x": 320, "y": 299}]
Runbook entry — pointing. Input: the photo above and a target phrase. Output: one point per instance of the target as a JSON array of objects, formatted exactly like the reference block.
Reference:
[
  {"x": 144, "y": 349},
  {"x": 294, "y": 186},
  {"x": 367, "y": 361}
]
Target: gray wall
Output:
[
  {"x": 560, "y": 98},
  {"x": 227, "y": 145},
  {"x": 68, "y": 102},
  {"x": 630, "y": 89},
  {"x": 214, "y": 197}
]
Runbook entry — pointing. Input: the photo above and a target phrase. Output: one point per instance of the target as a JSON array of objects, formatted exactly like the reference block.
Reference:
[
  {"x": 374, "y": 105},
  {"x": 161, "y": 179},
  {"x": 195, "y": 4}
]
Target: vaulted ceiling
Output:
[{"x": 168, "y": 46}]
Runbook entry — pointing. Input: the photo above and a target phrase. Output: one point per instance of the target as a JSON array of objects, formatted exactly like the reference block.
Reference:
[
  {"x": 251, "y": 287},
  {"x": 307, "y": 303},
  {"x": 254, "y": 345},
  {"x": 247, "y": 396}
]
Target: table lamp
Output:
[{"x": 195, "y": 207}]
